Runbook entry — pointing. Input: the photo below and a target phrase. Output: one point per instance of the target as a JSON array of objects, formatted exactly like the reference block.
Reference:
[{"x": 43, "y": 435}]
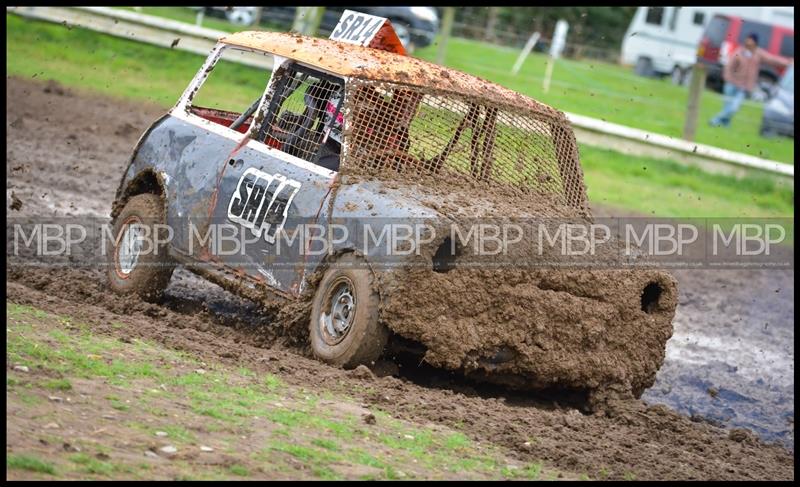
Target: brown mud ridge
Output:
[{"x": 81, "y": 164}]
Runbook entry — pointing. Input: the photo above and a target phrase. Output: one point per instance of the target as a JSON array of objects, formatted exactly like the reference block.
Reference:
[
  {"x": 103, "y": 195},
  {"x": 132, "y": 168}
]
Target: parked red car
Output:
[{"x": 725, "y": 33}]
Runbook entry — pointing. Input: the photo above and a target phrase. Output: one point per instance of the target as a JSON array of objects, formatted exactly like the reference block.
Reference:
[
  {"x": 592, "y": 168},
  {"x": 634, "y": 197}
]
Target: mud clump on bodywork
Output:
[
  {"x": 581, "y": 329},
  {"x": 527, "y": 324},
  {"x": 531, "y": 321}
]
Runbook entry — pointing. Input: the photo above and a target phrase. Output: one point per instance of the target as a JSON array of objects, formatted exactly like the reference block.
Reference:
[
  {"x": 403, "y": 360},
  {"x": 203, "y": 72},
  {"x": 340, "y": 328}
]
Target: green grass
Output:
[
  {"x": 119, "y": 406},
  {"x": 272, "y": 382},
  {"x": 615, "y": 94},
  {"x": 456, "y": 441},
  {"x": 115, "y": 66},
  {"x": 239, "y": 470},
  {"x": 30, "y": 463},
  {"x": 530, "y": 472},
  {"x": 322, "y": 439},
  {"x": 58, "y": 384},
  {"x": 326, "y": 444},
  {"x": 139, "y": 71},
  {"x": 92, "y": 465},
  {"x": 668, "y": 189},
  {"x": 176, "y": 433}
]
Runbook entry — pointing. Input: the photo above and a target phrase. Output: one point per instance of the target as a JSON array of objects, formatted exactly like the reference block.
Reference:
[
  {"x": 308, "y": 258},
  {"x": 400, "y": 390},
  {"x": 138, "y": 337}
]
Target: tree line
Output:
[{"x": 599, "y": 26}]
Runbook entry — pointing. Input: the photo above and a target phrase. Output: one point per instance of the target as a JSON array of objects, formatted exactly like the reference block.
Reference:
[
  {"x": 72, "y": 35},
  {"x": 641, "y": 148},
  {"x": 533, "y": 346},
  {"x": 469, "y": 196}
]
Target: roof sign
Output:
[{"x": 367, "y": 30}]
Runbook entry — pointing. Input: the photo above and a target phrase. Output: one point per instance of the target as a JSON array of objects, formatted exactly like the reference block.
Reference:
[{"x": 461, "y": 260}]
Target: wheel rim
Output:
[
  {"x": 129, "y": 247},
  {"x": 338, "y": 311}
]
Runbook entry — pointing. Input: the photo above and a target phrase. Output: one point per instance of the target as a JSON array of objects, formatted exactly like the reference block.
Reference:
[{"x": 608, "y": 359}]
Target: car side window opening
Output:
[
  {"x": 304, "y": 118},
  {"x": 232, "y": 90},
  {"x": 655, "y": 15},
  {"x": 699, "y": 18}
]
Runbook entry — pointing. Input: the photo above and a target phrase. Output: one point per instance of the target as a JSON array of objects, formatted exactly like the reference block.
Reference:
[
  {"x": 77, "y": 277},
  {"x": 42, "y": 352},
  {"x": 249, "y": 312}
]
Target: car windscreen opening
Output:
[
  {"x": 217, "y": 103},
  {"x": 304, "y": 117}
]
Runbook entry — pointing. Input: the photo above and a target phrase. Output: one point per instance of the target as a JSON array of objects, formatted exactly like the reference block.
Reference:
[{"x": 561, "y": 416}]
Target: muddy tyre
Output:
[
  {"x": 345, "y": 329},
  {"x": 133, "y": 269}
]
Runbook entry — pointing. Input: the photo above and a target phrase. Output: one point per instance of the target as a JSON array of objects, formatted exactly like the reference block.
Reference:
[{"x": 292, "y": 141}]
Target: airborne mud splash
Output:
[{"x": 61, "y": 164}]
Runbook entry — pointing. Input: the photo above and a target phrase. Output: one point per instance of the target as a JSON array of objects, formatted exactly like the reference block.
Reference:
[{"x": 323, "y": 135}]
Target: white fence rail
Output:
[
  {"x": 591, "y": 131},
  {"x": 136, "y": 26}
]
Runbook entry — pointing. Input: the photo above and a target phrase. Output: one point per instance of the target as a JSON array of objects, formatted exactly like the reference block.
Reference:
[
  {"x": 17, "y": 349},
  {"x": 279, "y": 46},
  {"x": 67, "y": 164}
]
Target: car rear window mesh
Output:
[{"x": 407, "y": 131}]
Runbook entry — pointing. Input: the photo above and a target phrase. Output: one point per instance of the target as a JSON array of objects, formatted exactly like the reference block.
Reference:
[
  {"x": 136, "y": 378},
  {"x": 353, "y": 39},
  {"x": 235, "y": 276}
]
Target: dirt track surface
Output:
[{"x": 69, "y": 164}]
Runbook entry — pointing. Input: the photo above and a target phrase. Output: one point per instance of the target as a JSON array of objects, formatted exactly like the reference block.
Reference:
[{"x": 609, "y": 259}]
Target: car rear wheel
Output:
[
  {"x": 679, "y": 76},
  {"x": 644, "y": 67},
  {"x": 136, "y": 265},
  {"x": 345, "y": 330}
]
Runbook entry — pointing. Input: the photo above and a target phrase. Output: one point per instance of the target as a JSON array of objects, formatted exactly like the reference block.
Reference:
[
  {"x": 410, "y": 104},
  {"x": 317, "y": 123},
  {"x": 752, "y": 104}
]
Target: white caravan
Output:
[{"x": 663, "y": 40}]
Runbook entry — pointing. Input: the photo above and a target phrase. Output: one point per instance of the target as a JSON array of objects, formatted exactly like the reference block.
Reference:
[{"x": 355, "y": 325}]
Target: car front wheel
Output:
[
  {"x": 138, "y": 262},
  {"x": 345, "y": 330}
]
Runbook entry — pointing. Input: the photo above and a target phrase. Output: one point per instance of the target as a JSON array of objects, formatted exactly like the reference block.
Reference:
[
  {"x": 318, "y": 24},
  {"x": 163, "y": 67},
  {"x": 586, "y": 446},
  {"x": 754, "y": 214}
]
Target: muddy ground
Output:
[{"x": 729, "y": 364}]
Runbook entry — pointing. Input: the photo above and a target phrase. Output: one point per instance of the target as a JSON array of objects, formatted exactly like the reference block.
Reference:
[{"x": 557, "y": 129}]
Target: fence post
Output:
[
  {"x": 693, "y": 108},
  {"x": 524, "y": 54},
  {"x": 307, "y": 20},
  {"x": 489, "y": 35},
  {"x": 447, "y": 27}
]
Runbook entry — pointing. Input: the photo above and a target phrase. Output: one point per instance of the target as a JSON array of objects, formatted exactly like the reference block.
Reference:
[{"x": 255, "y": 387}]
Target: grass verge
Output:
[{"x": 186, "y": 419}]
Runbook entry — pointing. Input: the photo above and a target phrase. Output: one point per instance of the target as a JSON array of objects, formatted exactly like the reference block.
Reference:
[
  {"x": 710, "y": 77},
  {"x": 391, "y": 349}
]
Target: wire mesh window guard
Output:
[{"x": 395, "y": 128}]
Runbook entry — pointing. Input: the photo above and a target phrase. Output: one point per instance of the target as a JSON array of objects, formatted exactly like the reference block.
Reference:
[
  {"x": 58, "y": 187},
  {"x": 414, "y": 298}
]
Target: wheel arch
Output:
[
  {"x": 126, "y": 184},
  {"x": 336, "y": 254},
  {"x": 146, "y": 181}
]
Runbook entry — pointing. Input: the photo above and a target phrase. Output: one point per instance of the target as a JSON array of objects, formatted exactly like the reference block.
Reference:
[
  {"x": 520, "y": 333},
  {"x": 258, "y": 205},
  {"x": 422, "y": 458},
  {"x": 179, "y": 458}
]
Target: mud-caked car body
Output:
[{"x": 349, "y": 135}]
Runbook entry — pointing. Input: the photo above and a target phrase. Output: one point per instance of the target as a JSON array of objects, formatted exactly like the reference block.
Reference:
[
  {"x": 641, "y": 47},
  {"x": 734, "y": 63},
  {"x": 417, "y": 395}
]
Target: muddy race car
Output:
[{"x": 348, "y": 135}]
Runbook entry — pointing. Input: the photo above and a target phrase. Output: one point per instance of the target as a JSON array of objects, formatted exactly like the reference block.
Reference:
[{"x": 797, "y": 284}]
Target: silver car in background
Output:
[{"x": 778, "y": 116}]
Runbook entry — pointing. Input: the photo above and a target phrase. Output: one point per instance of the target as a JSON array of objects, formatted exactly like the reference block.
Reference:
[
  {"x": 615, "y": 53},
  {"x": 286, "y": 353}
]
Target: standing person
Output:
[{"x": 741, "y": 75}]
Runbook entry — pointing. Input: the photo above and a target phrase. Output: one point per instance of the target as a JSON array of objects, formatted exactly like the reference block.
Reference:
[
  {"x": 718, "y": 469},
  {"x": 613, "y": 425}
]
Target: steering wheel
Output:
[{"x": 313, "y": 98}]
